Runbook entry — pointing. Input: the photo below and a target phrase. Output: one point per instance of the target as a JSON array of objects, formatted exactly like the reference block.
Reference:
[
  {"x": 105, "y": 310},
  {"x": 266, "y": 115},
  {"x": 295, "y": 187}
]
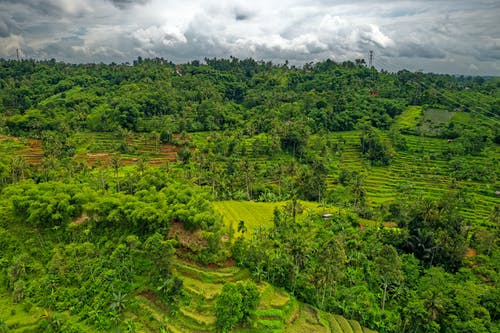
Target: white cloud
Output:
[
  {"x": 418, "y": 34},
  {"x": 154, "y": 35},
  {"x": 9, "y": 45}
]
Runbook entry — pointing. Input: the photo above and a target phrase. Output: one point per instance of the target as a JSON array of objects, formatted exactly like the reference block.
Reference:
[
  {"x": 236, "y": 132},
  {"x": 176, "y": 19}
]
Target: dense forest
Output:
[{"x": 167, "y": 197}]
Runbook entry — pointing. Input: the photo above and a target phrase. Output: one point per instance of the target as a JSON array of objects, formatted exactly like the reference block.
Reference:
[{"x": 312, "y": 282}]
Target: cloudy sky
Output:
[{"x": 452, "y": 36}]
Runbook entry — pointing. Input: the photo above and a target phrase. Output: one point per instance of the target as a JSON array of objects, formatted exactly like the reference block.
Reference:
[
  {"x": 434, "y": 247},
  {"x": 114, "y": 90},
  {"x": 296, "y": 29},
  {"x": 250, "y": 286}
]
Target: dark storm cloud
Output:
[
  {"x": 127, "y": 3},
  {"x": 489, "y": 51},
  {"x": 7, "y": 26},
  {"x": 447, "y": 36},
  {"x": 414, "y": 50},
  {"x": 241, "y": 17},
  {"x": 39, "y": 6},
  {"x": 31, "y": 8}
]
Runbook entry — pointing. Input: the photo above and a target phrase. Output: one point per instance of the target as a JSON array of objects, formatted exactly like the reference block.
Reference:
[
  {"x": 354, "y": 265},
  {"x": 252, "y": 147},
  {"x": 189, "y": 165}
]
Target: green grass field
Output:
[
  {"x": 260, "y": 214},
  {"x": 407, "y": 121},
  {"x": 434, "y": 120}
]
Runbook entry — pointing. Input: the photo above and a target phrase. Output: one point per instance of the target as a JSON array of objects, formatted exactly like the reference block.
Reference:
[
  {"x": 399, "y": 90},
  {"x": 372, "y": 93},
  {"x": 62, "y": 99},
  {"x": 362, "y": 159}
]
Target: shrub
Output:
[{"x": 235, "y": 304}]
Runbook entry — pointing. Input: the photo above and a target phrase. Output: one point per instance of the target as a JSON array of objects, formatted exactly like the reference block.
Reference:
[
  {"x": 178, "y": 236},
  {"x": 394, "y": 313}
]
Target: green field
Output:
[
  {"x": 434, "y": 120},
  {"x": 407, "y": 121},
  {"x": 260, "y": 214}
]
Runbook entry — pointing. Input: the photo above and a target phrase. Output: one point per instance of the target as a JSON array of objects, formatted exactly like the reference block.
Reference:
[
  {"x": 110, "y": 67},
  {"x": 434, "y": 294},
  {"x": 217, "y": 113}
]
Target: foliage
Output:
[
  {"x": 41, "y": 96},
  {"x": 235, "y": 304},
  {"x": 89, "y": 231},
  {"x": 362, "y": 275},
  {"x": 87, "y": 252},
  {"x": 373, "y": 147}
]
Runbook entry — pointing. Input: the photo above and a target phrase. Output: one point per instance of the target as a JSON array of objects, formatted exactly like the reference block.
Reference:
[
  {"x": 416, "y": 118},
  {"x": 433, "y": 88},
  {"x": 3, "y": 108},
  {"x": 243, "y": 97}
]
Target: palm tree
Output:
[
  {"x": 119, "y": 302},
  {"x": 241, "y": 227},
  {"x": 126, "y": 137},
  {"x": 142, "y": 163},
  {"x": 117, "y": 307},
  {"x": 116, "y": 162},
  {"x": 422, "y": 244},
  {"x": 18, "y": 166}
]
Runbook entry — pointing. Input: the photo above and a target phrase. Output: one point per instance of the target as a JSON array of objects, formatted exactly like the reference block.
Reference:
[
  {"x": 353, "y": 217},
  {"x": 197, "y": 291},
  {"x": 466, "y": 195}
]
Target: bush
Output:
[
  {"x": 235, "y": 305},
  {"x": 374, "y": 148}
]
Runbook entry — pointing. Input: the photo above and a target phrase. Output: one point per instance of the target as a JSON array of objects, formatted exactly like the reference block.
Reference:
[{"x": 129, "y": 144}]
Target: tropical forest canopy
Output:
[{"x": 244, "y": 195}]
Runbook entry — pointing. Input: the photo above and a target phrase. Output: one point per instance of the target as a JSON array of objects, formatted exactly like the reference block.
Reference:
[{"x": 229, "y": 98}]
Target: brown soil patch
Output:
[
  {"x": 229, "y": 262},
  {"x": 188, "y": 239},
  {"x": 34, "y": 152},
  {"x": 149, "y": 295},
  {"x": 470, "y": 252},
  {"x": 81, "y": 219},
  {"x": 7, "y": 137}
]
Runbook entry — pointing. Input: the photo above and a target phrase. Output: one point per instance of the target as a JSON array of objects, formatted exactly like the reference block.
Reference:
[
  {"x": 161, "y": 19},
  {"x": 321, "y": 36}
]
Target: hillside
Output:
[
  {"x": 277, "y": 311},
  {"x": 238, "y": 195}
]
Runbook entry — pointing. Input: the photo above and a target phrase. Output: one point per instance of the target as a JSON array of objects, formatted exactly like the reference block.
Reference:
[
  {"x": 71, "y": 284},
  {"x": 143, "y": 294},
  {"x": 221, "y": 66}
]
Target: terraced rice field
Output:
[
  {"x": 421, "y": 169},
  {"x": 33, "y": 152},
  {"x": 259, "y": 214},
  {"x": 96, "y": 149},
  {"x": 409, "y": 119},
  {"x": 277, "y": 310}
]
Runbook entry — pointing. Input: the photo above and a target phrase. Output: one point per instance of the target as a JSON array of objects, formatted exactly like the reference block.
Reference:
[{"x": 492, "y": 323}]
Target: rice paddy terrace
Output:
[
  {"x": 96, "y": 149},
  {"x": 277, "y": 310},
  {"x": 422, "y": 168}
]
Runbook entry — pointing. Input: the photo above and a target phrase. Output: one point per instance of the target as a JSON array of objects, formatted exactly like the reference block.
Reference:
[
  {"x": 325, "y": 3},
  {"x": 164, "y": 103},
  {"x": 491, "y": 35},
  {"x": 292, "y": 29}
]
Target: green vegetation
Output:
[
  {"x": 235, "y": 304},
  {"x": 257, "y": 214},
  {"x": 409, "y": 119},
  {"x": 238, "y": 195}
]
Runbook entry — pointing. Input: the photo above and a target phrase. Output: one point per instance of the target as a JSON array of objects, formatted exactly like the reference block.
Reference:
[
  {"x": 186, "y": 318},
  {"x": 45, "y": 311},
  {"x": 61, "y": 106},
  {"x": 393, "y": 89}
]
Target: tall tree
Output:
[{"x": 389, "y": 269}]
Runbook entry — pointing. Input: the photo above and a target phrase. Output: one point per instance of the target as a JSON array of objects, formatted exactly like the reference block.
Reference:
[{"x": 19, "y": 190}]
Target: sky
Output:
[{"x": 452, "y": 36}]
